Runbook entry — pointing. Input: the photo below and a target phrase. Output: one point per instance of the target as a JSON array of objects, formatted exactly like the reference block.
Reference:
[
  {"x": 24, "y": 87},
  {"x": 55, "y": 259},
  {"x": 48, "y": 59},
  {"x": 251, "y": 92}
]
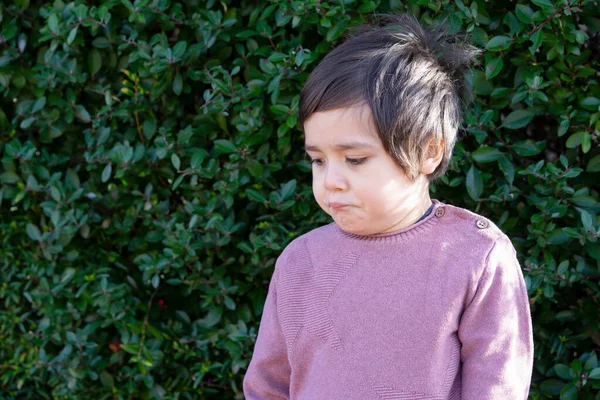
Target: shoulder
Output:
[
  {"x": 471, "y": 224},
  {"x": 475, "y": 234}
]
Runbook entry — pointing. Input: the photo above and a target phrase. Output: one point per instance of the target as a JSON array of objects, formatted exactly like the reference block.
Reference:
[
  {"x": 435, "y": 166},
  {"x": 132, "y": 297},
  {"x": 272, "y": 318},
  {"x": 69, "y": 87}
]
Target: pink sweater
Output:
[{"x": 438, "y": 310}]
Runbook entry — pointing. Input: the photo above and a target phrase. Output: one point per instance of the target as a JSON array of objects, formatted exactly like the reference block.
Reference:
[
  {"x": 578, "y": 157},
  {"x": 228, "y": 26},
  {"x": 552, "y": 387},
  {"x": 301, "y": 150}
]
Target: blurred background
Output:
[{"x": 153, "y": 170}]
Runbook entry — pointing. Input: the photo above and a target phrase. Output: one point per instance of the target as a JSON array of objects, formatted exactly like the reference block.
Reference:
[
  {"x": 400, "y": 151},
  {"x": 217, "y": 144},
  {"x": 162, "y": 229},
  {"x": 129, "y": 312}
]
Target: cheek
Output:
[
  {"x": 318, "y": 191},
  {"x": 381, "y": 194}
]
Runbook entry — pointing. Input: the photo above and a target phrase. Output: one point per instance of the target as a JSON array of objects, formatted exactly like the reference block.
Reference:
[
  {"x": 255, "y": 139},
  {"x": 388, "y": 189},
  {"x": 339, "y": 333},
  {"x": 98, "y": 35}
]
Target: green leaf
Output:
[
  {"x": 39, "y": 104},
  {"x": 498, "y": 43},
  {"x": 517, "y": 119},
  {"x": 177, "y": 182},
  {"x": 566, "y": 315},
  {"x": 229, "y": 303},
  {"x": 155, "y": 281},
  {"x": 9, "y": 177},
  {"x": 256, "y": 195},
  {"x": 569, "y": 392},
  {"x": 563, "y": 371},
  {"x": 527, "y": 148},
  {"x": 592, "y": 362},
  {"x": 53, "y": 23},
  {"x": 493, "y": 67},
  {"x": 106, "y": 379},
  {"x": 487, "y": 154},
  {"x": 585, "y": 72},
  {"x": 94, "y": 61},
  {"x": 299, "y": 58},
  {"x": 179, "y": 49},
  {"x": 175, "y": 160},
  {"x": 276, "y": 57},
  {"x": 594, "y": 374},
  {"x": 279, "y": 109},
  {"x": 536, "y": 40},
  {"x": 586, "y": 219},
  {"x": 197, "y": 159},
  {"x": 576, "y": 139},
  {"x": 474, "y": 183},
  {"x": 507, "y": 167},
  {"x": 33, "y": 232},
  {"x": 256, "y": 169},
  {"x": 288, "y": 189},
  {"x": 590, "y": 103},
  {"x": 563, "y": 127},
  {"x": 177, "y": 84},
  {"x": 149, "y": 127},
  {"x": 82, "y": 114},
  {"x": 224, "y": 146},
  {"x": 552, "y": 386},
  {"x": 281, "y": 19},
  {"x": 524, "y": 13},
  {"x": 66, "y": 277},
  {"x": 543, "y": 3},
  {"x": 55, "y": 193},
  {"x": 127, "y": 4},
  {"x": 106, "y": 173},
  {"x": 367, "y": 7},
  {"x": 549, "y": 291},
  {"x": 76, "y": 373},
  {"x": 101, "y": 42},
  {"x": 212, "y": 318},
  {"x": 586, "y": 143},
  {"x": 131, "y": 348},
  {"x": 584, "y": 201},
  {"x": 246, "y": 34},
  {"x": 72, "y": 36},
  {"x": 336, "y": 31},
  {"x": 182, "y": 315},
  {"x": 594, "y": 164},
  {"x": 26, "y": 123}
]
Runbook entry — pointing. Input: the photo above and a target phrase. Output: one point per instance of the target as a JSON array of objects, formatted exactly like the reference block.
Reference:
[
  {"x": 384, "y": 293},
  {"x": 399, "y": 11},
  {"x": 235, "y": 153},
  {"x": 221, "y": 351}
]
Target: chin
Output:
[{"x": 352, "y": 228}]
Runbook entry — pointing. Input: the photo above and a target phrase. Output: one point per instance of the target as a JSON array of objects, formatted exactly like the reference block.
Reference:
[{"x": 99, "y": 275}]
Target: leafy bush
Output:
[{"x": 152, "y": 171}]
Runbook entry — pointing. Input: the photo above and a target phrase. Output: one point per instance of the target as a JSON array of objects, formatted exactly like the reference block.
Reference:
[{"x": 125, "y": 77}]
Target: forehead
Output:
[{"x": 334, "y": 128}]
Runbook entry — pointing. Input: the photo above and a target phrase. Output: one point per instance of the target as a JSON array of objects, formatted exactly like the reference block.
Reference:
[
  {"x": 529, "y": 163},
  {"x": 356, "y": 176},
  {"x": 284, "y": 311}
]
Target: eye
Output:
[
  {"x": 356, "y": 161},
  {"x": 316, "y": 161}
]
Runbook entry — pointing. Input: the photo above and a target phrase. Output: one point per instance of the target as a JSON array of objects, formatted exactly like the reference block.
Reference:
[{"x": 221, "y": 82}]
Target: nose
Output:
[{"x": 335, "y": 180}]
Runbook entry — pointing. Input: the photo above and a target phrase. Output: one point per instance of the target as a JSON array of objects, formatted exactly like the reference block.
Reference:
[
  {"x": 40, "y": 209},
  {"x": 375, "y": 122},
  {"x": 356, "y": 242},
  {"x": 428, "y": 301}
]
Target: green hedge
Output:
[{"x": 152, "y": 171}]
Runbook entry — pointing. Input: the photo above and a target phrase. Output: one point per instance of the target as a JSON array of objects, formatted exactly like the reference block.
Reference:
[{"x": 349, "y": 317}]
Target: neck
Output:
[{"x": 420, "y": 205}]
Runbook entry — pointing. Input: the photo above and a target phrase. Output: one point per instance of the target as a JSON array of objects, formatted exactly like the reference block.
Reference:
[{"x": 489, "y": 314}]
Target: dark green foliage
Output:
[{"x": 152, "y": 171}]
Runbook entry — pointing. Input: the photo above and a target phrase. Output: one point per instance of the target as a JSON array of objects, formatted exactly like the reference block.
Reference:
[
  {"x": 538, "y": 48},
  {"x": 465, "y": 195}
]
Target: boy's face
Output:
[{"x": 355, "y": 180}]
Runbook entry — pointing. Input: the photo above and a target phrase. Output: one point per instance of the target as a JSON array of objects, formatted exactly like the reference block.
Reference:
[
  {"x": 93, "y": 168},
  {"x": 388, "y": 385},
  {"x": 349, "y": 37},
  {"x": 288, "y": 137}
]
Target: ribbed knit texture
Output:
[{"x": 438, "y": 311}]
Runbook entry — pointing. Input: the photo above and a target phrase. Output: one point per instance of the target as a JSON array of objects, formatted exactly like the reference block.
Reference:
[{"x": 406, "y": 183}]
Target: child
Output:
[{"x": 402, "y": 296}]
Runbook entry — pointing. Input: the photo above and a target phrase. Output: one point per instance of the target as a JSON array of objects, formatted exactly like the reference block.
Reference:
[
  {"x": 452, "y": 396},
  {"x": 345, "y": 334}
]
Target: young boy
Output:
[{"x": 402, "y": 296}]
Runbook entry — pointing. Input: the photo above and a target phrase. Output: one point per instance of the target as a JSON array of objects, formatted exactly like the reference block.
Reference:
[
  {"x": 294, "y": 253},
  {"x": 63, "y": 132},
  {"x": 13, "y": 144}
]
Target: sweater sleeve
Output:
[
  {"x": 268, "y": 374},
  {"x": 496, "y": 332}
]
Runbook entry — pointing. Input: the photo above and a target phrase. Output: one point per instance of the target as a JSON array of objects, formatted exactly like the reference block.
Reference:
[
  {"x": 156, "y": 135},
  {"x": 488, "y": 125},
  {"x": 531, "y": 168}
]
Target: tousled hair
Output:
[{"x": 412, "y": 79}]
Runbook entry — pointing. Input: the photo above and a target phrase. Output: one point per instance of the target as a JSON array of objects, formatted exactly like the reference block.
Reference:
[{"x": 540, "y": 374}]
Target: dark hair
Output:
[{"x": 411, "y": 77}]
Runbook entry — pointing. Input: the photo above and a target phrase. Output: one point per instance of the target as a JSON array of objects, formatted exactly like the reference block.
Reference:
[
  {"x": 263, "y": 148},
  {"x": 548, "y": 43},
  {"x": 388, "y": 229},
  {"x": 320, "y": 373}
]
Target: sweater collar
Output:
[{"x": 400, "y": 234}]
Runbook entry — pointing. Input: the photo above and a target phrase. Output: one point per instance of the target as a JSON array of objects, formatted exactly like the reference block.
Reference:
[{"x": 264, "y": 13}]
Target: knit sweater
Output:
[{"x": 437, "y": 310}]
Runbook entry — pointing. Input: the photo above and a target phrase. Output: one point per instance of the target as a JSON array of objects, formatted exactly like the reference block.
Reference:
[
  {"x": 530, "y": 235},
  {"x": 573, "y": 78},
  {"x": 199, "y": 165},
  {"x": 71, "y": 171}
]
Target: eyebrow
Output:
[{"x": 343, "y": 146}]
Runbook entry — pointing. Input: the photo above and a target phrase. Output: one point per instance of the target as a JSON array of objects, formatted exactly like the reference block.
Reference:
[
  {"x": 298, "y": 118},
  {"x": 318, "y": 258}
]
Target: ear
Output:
[{"x": 435, "y": 153}]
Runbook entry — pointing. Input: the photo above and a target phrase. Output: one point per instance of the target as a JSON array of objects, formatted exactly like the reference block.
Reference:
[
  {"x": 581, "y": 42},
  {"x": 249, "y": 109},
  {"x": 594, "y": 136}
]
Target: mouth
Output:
[{"x": 338, "y": 206}]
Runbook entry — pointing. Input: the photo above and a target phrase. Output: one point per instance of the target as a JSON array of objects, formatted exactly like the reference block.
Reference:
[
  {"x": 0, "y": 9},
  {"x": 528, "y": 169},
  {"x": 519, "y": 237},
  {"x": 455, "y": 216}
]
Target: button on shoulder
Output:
[
  {"x": 440, "y": 212},
  {"x": 482, "y": 223}
]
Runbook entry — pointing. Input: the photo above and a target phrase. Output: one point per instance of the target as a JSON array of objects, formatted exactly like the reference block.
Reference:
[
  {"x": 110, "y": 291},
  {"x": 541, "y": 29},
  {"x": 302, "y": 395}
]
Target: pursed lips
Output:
[{"x": 337, "y": 206}]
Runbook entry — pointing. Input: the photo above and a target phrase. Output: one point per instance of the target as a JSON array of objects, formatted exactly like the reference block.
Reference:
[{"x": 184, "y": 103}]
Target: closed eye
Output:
[
  {"x": 351, "y": 161},
  {"x": 356, "y": 161}
]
